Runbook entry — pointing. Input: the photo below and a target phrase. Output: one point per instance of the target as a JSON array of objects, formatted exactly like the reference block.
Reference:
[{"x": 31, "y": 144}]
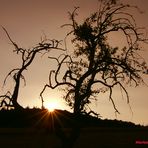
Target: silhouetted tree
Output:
[
  {"x": 96, "y": 66},
  {"x": 10, "y": 99}
]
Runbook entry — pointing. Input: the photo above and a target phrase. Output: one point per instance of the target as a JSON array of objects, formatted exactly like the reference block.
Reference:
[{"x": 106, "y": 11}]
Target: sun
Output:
[
  {"x": 53, "y": 101},
  {"x": 51, "y": 106}
]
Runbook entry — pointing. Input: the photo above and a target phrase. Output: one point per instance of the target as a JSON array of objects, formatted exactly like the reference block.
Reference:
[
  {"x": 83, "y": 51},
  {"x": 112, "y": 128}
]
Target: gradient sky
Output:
[{"x": 28, "y": 20}]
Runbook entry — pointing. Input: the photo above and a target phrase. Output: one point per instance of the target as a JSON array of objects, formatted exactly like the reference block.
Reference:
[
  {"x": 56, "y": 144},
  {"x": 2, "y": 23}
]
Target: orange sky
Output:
[{"x": 28, "y": 20}]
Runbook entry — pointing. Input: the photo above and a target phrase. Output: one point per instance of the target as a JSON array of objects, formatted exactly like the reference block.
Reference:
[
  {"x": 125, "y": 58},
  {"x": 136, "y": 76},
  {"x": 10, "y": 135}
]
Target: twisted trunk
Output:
[{"x": 17, "y": 78}]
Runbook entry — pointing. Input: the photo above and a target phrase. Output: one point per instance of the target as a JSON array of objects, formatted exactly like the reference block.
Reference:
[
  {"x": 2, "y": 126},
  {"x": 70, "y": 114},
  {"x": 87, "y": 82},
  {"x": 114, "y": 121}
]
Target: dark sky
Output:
[{"x": 28, "y": 20}]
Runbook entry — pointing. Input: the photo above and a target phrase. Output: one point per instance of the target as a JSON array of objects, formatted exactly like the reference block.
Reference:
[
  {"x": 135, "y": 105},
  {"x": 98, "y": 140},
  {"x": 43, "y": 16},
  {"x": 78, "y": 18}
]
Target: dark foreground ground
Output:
[{"x": 40, "y": 129}]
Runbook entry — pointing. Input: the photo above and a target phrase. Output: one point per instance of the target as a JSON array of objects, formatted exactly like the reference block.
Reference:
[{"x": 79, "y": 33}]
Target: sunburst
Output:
[{"x": 51, "y": 106}]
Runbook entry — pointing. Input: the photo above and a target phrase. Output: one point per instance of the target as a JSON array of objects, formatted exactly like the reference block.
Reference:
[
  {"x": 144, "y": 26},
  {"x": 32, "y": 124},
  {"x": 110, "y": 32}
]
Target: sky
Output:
[{"x": 27, "y": 21}]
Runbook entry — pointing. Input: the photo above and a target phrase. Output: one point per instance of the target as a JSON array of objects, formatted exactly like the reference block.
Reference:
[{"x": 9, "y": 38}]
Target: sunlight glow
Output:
[
  {"x": 51, "y": 106},
  {"x": 53, "y": 100}
]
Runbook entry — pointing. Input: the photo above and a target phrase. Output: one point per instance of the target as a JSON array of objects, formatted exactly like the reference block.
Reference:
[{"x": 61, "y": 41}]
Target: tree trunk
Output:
[
  {"x": 77, "y": 105},
  {"x": 17, "y": 78},
  {"x": 16, "y": 105}
]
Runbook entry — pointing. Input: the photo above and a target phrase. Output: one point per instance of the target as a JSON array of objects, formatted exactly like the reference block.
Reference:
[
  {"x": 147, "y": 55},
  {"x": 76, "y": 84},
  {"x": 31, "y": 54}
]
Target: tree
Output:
[
  {"x": 96, "y": 66},
  {"x": 10, "y": 100}
]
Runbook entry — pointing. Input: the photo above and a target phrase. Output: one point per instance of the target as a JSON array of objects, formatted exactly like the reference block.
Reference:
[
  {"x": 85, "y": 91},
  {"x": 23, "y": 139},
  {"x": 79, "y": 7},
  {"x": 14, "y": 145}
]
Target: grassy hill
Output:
[
  {"x": 59, "y": 118},
  {"x": 37, "y": 128}
]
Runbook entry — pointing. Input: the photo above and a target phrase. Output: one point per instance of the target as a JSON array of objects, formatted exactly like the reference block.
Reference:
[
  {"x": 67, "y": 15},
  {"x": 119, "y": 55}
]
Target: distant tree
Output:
[
  {"x": 10, "y": 99},
  {"x": 96, "y": 66}
]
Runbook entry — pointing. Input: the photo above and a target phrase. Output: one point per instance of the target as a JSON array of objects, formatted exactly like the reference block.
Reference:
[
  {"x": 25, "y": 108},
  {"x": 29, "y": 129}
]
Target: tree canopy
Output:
[
  {"x": 10, "y": 98},
  {"x": 96, "y": 66}
]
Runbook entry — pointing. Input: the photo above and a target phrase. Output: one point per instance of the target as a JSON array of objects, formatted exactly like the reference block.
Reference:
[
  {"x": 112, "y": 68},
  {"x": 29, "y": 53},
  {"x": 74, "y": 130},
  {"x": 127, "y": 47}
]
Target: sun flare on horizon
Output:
[
  {"x": 53, "y": 105},
  {"x": 53, "y": 100}
]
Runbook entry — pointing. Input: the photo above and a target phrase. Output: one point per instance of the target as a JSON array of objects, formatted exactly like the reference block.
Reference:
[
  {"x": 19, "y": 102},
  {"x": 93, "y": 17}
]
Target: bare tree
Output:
[
  {"x": 10, "y": 99},
  {"x": 96, "y": 66}
]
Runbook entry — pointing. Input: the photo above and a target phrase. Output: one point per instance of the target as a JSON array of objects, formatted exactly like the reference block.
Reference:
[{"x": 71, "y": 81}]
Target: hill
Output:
[
  {"x": 37, "y": 128},
  {"x": 42, "y": 118}
]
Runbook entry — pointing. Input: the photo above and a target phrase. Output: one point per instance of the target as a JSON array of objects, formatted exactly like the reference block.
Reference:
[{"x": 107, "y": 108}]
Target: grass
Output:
[{"x": 61, "y": 129}]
